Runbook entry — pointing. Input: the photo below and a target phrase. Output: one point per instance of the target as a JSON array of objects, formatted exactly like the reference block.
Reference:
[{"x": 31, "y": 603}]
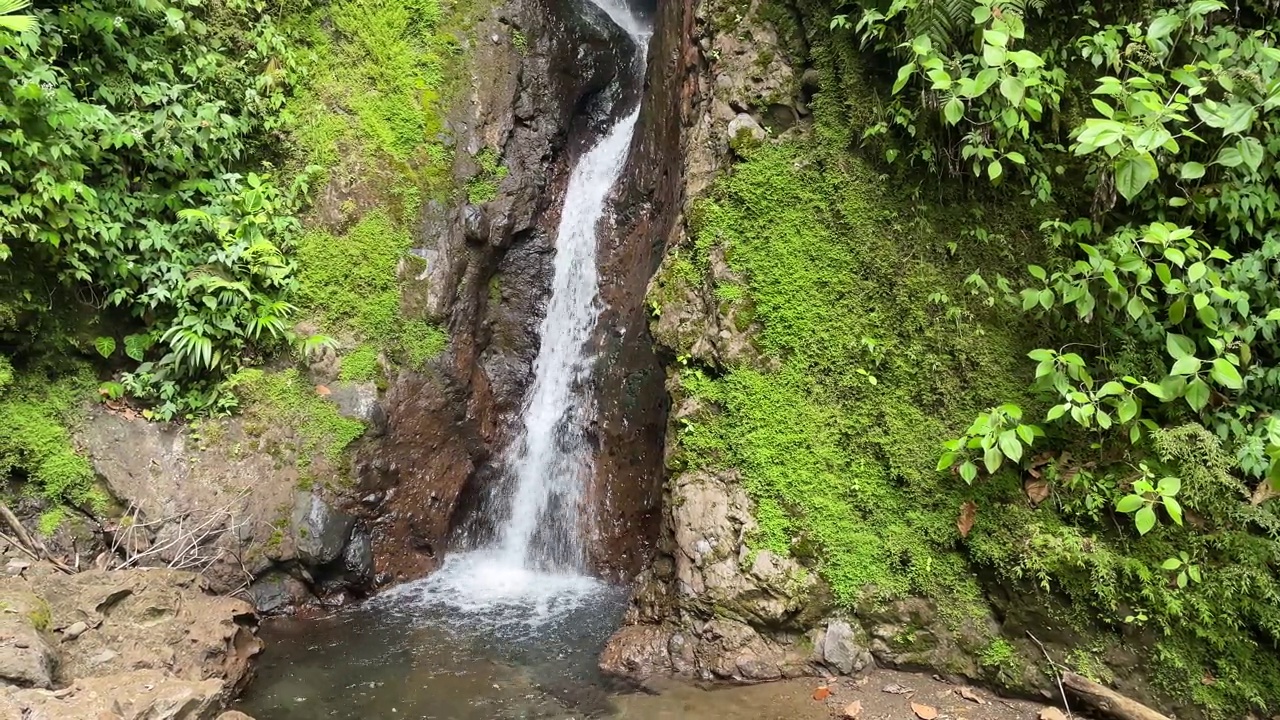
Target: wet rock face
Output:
[
  {"x": 631, "y": 403},
  {"x": 488, "y": 269},
  {"x": 138, "y": 643},
  {"x": 708, "y": 605}
]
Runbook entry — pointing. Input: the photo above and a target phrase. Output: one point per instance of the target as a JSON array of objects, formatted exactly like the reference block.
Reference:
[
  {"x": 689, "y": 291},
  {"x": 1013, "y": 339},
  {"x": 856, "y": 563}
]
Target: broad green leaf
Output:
[
  {"x": 1179, "y": 346},
  {"x": 1192, "y": 171},
  {"x": 946, "y": 461},
  {"x": 1163, "y": 26},
  {"x": 1013, "y": 89},
  {"x": 968, "y": 471},
  {"x": 1185, "y": 366},
  {"x": 984, "y": 81},
  {"x": 995, "y": 170},
  {"x": 105, "y": 346},
  {"x": 1226, "y": 374},
  {"x": 1196, "y": 271},
  {"x": 1010, "y": 445},
  {"x": 1098, "y": 133},
  {"x": 1171, "y": 564},
  {"x": 1135, "y": 307},
  {"x": 992, "y": 458},
  {"x": 1027, "y": 434},
  {"x": 904, "y": 74},
  {"x": 1230, "y": 157},
  {"x": 1197, "y": 394},
  {"x": 1135, "y": 172},
  {"x": 1056, "y": 412},
  {"x": 1251, "y": 152},
  {"x": 1169, "y": 486},
  {"x": 993, "y": 55},
  {"x": 1145, "y": 519},
  {"x": 954, "y": 110},
  {"x": 1174, "y": 508},
  {"x": 1128, "y": 410},
  {"x": 1130, "y": 503}
]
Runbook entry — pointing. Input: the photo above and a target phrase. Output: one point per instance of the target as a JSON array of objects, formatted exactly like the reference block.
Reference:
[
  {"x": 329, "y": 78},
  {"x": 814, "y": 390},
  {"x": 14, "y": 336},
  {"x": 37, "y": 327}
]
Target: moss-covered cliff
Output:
[{"x": 824, "y": 341}]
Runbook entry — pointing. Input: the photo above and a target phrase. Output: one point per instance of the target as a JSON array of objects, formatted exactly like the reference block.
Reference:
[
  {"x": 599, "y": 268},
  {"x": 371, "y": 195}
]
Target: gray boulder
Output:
[{"x": 320, "y": 531}]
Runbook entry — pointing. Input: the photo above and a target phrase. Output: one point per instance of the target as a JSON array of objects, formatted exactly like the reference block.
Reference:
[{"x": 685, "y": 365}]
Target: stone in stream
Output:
[{"x": 357, "y": 559}]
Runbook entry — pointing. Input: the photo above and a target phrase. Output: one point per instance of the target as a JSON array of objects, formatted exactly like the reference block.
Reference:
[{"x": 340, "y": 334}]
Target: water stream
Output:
[{"x": 511, "y": 629}]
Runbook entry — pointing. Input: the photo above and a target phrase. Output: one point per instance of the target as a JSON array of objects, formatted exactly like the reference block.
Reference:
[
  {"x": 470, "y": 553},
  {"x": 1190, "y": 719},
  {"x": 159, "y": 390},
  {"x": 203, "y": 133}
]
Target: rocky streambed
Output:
[{"x": 131, "y": 644}]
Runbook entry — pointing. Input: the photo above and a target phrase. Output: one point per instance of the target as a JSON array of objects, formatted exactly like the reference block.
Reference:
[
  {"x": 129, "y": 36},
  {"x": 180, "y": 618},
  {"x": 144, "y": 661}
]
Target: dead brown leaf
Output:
[
  {"x": 323, "y": 391},
  {"x": 822, "y": 693},
  {"x": 924, "y": 712},
  {"x": 897, "y": 689},
  {"x": 1052, "y": 713},
  {"x": 968, "y": 513},
  {"x": 853, "y": 709},
  {"x": 970, "y": 695},
  {"x": 1037, "y": 491},
  {"x": 1265, "y": 491}
]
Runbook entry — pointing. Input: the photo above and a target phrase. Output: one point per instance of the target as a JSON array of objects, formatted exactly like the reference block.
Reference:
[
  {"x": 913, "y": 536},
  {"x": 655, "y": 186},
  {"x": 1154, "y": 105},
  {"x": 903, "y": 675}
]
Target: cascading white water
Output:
[
  {"x": 551, "y": 459},
  {"x": 538, "y": 563}
]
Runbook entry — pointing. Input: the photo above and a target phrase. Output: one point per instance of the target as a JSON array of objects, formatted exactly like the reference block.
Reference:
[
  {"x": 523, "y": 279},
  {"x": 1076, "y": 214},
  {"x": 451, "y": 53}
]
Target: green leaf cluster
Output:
[{"x": 129, "y": 140}]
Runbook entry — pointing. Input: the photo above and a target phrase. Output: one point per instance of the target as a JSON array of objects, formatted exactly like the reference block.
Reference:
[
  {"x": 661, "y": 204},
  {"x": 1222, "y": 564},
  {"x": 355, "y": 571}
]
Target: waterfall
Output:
[
  {"x": 552, "y": 460},
  {"x": 537, "y": 565}
]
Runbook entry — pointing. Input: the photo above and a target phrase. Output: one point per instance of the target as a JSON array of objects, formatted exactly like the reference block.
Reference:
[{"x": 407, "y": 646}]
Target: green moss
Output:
[
  {"x": 421, "y": 341},
  {"x": 832, "y": 459},
  {"x": 360, "y": 365},
  {"x": 349, "y": 283},
  {"x": 41, "y": 617},
  {"x": 35, "y": 444},
  {"x": 286, "y": 398},
  {"x": 51, "y": 520},
  {"x": 484, "y": 186},
  {"x": 376, "y": 88}
]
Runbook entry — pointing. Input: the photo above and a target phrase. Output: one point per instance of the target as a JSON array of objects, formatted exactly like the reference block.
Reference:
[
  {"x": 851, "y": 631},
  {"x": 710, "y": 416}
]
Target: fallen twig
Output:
[
  {"x": 34, "y": 548},
  {"x": 1057, "y": 672}
]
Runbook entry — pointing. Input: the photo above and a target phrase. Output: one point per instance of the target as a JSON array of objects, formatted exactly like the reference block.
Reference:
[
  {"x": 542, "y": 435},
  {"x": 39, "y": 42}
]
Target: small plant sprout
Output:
[
  {"x": 1187, "y": 570},
  {"x": 1146, "y": 496}
]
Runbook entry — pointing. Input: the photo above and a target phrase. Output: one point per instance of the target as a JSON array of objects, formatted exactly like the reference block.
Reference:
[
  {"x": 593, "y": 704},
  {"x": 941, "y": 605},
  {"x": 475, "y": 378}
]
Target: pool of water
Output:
[{"x": 479, "y": 639}]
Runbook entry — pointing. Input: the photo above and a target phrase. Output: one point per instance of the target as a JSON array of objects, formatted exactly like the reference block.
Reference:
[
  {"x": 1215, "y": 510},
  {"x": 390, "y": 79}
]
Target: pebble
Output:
[{"x": 74, "y": 631}]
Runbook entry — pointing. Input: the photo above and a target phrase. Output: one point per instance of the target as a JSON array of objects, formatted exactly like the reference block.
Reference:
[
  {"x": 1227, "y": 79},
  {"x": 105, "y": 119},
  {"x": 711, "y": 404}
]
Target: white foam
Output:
[{"x": 488, "y": 587}]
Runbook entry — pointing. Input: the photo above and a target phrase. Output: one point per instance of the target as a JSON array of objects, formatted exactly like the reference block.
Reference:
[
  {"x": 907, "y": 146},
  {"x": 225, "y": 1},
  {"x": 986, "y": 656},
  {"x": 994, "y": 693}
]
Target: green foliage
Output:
[
  {"x": 349, "y": 283},
  {"x": 380, "y": 72},
  {"x": 839, "y": 463},
  {"x": 286, "y": 398},
  {"x": 35, "y": 445},
  {"x": 359, "y": 365},
  {"x": 1164, "y": 314},
  {"x": 13, "y": 22},
  {"x": 484, "y": 186},
  {"x": 128, "y": 134}
]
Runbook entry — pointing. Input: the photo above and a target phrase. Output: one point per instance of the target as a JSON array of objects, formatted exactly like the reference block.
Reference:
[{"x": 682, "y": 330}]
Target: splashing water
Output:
[{"x": 536, "y": 570}]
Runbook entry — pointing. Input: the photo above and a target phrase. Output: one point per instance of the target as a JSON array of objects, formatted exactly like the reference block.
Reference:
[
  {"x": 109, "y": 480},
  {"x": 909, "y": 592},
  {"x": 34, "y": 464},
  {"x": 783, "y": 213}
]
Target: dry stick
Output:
[
  {"x": 26, "y": 539},
  {"x": 1057, "y": 673},
  {"x": 14, "y": 542},
  {"x": 1108, "y": 701}
]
